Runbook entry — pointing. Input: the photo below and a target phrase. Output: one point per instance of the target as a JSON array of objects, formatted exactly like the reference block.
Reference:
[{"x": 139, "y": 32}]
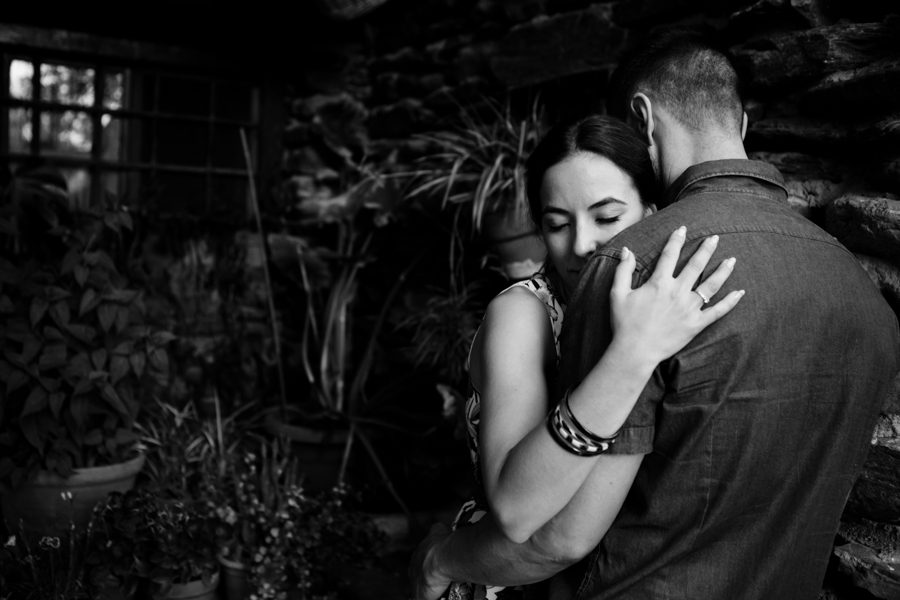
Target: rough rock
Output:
[
  {"x": 640, "y": 13},
  {"x": 870, "y": 558},
  {"x": 815, "y": 12},
  {"x": 876, "y": 85},
  {"x": 799, "y": 132},
  {"x": 886, "y": 276},
  {"x": 876, "y": 493},
  {"x": 772, "y": 16},
  {"x": 812, "y": 182},
  {"x": 405, "y": 60},
  {"x": 548, "y": 48},
  {"x": 887, "y": 429},
  {"x": 398, "y": 120},
  {"x": 866, "y": 224},
  {"x": 796, "y": 58}
]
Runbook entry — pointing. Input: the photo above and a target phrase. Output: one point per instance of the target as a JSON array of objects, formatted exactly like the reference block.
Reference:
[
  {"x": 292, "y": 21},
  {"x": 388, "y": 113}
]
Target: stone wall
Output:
[{"x": 823, "y": 96}]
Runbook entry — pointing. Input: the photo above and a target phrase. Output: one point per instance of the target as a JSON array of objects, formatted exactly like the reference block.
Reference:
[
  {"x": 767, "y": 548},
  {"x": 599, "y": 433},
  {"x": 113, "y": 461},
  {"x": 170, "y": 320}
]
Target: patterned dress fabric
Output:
[{"x": 474, "y": 509}]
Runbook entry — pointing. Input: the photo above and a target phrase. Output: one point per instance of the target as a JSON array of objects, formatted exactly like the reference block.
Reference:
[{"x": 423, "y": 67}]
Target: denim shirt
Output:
[{"x": 754, "y": 433}]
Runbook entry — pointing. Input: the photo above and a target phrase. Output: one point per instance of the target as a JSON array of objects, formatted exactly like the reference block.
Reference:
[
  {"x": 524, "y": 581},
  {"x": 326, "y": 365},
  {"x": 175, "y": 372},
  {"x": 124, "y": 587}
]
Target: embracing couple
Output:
[{"x": 640, "y": 427}]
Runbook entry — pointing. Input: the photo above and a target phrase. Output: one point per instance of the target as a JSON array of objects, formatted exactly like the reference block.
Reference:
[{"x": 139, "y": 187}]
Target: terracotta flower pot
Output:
[
  {"x": 234, "y": 579},
  {"x": 192, "y": 590},
  {"x": 44, "y": 510},
  {"x": 319, "y": 452}
]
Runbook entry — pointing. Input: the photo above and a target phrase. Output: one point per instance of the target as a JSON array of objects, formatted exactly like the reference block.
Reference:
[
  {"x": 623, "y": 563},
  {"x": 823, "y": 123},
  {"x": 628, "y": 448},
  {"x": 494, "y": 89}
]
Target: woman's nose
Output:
[{"x": 586, "y": 242}]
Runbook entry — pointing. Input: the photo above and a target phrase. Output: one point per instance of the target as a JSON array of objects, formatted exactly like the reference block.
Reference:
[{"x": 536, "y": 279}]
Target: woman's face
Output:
[{"x": 585, "y": 201}]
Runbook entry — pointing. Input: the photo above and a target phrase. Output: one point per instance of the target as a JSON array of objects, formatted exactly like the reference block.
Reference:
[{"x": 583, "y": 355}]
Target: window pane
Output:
[
  {"x": 227, "y": 150},
  {"x": 67, "y": 132},
  {"x": 183, "y": 96},
  {"x": 20, "y": 130},
  {"x": 234, "y": 101},
  {"x": 229, "y": 197},
  {"x": 112, "y": 149},
  {"x": 182, "y": 143},
  {"x": 79, "y": 184},
  {"x": 181, "y": 192},
  {"x": 114, "y": 91},
  {"x": 67, "y": 85},
  {"x": 20, "y": 76}
]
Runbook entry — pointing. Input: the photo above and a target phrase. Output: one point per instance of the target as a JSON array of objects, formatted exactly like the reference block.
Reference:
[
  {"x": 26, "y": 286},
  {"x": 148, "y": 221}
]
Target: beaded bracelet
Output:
[{"x": 572, "y": 435}]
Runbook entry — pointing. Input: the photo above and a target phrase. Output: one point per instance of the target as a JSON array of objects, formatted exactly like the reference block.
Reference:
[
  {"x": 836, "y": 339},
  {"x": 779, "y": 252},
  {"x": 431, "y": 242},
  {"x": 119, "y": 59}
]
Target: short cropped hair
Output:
[
  {"x": 602, "y": 135},
  {"x": 684, "y": 72}
]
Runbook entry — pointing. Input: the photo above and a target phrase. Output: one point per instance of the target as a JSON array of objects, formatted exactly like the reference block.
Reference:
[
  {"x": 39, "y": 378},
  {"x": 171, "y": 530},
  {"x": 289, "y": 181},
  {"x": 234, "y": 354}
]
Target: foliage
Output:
[
  {"x": 77, "y": 357},
  {"x": 140, "y": 539},
  {"x": 51, "y": 569},
  {"x": 480, "y": 164},
  {"x": 288, "y": 539}
]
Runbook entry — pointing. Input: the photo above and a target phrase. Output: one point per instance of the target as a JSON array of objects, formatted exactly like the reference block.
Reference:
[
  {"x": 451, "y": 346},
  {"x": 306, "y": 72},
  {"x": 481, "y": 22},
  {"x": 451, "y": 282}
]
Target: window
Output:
[{"x": 138, "y": 133}]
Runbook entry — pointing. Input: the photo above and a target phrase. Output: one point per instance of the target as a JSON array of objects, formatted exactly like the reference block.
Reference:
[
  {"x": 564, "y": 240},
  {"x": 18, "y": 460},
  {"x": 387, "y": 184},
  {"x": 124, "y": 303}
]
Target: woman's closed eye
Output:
[
  {"x": 606, "y": 220},
  {"x": 556, "y": 226}
]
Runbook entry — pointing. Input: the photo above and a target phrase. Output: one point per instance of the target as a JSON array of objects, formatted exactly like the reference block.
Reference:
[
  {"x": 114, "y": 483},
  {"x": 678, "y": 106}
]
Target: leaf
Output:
[
  {"x": 72, "y": 258},
  {"x": 125, "y": 219},
  {"x": 89, "y": 301},
  {"x": 125, "y": 436},
  {"x": 28, "y": 425},
  {"x": 81, "y": 275},
  {"x": 15, "y": 381},
  {"x": 30, "y": 349},
  {"x": 59, "y": 312},
  {"x": 109, "y": 394},
  {"x": 79, "y": 409},
  {"x": 93, "y": 437},
  {"x": 161, "y": 338},
  {"x": 124, "y": 349},
  {"x": 112, "y": 221},
  {"x": 50, "y": 384},
  {"x": 6, "y": 370},
  {"x": 56, "y": 401},
  {"x": 6, "y": 305},
  {"x": 160, "y": 360},
  {"x": 55, "y": 294},
  {"x": 138, "y": 360},
  {"x": 38, "y": 308},
  {"x": 82, "y": 332},
  {"x": 53, "y": 357},
  {"x": 53, "y": 334},
  {"x": 83, "y": 386},
  {"x": 107, "y": 314},
  {"x": 123, "y": 315},
  {"x": 98, "y": 357},
  {"x": 118, "y": 368},
  {"x": 36, "y": 402}
]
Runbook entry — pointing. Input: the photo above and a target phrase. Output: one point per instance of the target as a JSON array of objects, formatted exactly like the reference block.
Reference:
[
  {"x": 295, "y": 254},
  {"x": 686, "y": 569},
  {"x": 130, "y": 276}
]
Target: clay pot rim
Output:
[{"x": 91, "y": 475}]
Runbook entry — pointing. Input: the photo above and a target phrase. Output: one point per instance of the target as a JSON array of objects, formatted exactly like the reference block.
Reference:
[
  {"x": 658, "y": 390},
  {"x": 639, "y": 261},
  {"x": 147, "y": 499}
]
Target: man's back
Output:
[{"x": 754, "y": 433}]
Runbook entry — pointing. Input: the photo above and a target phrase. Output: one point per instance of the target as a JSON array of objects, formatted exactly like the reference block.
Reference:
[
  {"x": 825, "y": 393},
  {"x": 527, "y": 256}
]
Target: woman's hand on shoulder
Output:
[{"x": 663, "y": 315}]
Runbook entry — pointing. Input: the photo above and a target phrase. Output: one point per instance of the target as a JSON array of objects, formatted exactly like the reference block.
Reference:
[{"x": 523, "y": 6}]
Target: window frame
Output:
[{"x": 41, "y": 46}]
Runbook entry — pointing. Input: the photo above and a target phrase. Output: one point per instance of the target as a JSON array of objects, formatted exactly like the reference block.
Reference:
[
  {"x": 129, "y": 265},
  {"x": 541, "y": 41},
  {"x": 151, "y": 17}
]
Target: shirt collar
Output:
[{"x": 718, "y": 168}]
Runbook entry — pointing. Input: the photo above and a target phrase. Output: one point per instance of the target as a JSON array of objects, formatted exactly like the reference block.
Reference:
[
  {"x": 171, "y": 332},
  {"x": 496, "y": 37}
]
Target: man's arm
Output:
[{"x": 480, "y": 553}]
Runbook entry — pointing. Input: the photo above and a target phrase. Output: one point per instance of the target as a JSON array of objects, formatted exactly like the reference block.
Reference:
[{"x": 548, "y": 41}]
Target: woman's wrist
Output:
[{"x": 632, "y": 360}]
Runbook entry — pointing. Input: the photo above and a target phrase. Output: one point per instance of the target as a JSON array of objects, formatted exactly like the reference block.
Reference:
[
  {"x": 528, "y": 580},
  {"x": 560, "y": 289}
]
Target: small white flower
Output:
[{"x": 11, "y": 542}]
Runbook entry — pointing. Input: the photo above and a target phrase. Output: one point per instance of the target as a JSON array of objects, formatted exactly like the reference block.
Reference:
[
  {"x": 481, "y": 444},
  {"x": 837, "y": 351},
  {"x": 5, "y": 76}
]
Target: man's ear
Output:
[
  {"x": 744, "y": 122},
  {"x": 649, "y": 209},
  {"x": 642, "y": 112}
]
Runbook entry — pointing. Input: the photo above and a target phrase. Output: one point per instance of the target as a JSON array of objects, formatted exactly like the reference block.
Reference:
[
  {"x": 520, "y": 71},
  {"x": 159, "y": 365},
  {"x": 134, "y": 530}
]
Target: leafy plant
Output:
[
  {"x": 76, "y": 356},
  {"x": 52, "y": 568},
  {"x": 479, "y": 167},
  {"x": 146, "y": 542},
  {"x": 288, "y": 539}
]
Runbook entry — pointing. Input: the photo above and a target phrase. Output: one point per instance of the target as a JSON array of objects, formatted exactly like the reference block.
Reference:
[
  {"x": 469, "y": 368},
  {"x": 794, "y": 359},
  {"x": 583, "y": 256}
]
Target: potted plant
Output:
[
  {"x": 285, "y": 540},
  {"x": 479, "y": 172},
  {"x": 76, "y": 355}
]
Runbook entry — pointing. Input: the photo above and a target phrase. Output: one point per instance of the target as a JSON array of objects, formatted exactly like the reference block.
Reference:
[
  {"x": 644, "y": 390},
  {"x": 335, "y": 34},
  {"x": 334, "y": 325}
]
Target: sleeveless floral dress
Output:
[{"x": 474, "y": 509}]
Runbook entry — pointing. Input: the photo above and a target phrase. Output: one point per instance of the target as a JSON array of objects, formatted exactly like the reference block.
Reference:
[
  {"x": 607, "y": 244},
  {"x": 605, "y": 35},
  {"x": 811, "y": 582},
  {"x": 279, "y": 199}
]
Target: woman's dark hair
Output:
[{"x": 598, "y": 134}]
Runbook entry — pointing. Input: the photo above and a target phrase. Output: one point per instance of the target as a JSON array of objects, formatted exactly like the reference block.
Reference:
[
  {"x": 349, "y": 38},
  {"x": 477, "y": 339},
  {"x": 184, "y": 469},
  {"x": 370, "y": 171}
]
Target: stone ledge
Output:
[
  {"x": 549, "y": 48},
  {"x": 866, "y": 224}
]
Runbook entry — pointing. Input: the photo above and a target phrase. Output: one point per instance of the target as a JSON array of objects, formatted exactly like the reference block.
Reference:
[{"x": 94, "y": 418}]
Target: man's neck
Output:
[{"x": 687, "y": 150}]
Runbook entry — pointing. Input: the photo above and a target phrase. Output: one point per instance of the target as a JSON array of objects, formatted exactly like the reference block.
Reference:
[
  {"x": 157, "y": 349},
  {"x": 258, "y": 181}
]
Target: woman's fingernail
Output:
[
  {"x": 715, "y": 239},
  {"x": 681, "y": 230},
  {"x": 625, "y": 252},
  {"x": 730, "y": 262},
  {"x": 741, "y": 293}
]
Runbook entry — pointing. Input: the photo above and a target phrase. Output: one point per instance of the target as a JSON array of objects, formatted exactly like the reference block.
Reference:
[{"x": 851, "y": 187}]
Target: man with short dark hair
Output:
[
  {"x": 754, "y": 433},
  {"x": 742, "y": 449}
]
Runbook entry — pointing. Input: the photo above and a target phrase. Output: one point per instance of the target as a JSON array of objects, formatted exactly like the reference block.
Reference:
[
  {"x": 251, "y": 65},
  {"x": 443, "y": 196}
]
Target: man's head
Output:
[{"x": 682, "y": 95}]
